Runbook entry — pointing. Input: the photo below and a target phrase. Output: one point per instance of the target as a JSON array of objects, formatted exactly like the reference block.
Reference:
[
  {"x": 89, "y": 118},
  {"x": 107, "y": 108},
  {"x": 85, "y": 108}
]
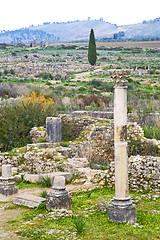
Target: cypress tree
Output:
[{"x": 92, "y": 55}]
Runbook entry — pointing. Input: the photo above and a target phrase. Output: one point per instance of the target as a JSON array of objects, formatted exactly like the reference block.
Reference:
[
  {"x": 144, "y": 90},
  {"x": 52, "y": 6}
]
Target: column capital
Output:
[{"x": 120, "y": 76}]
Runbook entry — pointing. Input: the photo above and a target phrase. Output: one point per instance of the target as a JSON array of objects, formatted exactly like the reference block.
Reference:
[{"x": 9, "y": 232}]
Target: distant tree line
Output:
[{"x": 135, "y": 39}]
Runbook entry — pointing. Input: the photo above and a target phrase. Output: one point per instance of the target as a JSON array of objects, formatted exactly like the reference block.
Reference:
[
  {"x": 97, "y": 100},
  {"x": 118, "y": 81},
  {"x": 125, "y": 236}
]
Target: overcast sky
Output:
[{"x": 16, "y": 14}]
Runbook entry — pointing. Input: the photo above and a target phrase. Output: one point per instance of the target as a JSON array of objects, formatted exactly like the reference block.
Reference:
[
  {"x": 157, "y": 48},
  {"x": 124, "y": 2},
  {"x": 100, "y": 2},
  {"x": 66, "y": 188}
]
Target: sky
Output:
[{"x": 16, "y": 14}]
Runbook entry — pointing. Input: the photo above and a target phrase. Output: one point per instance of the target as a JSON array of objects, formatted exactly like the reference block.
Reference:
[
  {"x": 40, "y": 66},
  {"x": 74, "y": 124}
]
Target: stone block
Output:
[
  {"x": 54, "y": 129},
  {"x": 28, "y": 200},
  {"x": 33, "y": 178},
  {"x": 67, "y": 176},
  {"x": 7, "y": 186},
  {"x": 58, "y": 198},
  {"x": 6, "y": 171},
  {"x": 18, "y": 178},
  {"x": 59, "y": 182},
  {"x": 122, "y": 211}
]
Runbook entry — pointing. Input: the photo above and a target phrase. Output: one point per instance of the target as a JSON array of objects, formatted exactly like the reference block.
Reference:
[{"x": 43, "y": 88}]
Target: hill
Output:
[
  {"x": 145, "y": 29},
  {"x": 79, "y": 30}
]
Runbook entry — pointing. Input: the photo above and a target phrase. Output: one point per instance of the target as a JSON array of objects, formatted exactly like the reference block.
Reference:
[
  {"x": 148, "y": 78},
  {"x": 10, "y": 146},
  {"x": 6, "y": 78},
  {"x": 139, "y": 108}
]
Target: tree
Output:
[{"x": 92, "y": 55}]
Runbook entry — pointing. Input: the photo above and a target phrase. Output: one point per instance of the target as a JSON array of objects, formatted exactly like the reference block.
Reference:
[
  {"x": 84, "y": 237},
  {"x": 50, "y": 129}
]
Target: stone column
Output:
[
  {"x": 7, "y": 183},
  {"x": 58, "y": 198},
  {"x": 121, "y": 209},
  {"x": 54, "y": 129}
]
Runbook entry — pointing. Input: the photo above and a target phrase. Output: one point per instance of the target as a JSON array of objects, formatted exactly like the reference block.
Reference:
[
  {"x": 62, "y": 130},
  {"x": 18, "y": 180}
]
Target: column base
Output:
[
  {"x": 58, "y": 199},
  {"x": 7, "y": 186},
  {"x": 122, "y": 210}
]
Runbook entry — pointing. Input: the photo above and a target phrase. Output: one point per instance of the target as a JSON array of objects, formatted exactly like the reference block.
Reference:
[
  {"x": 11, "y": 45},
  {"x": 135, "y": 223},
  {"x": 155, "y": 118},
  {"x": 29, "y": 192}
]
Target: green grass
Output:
[
  {"x": 152, "y": 132},
  {"x": 95, "y": 224},
  {"x": 27, "y": 184}
]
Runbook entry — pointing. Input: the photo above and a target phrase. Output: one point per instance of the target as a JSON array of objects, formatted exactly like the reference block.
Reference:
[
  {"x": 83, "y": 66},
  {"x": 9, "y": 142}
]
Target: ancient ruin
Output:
[
  {"x": 58, "y": 198},
  {"x": 53, "y": 129},
  {"x": 121, "y": 209},
  {"x": 7, "y": 183}
]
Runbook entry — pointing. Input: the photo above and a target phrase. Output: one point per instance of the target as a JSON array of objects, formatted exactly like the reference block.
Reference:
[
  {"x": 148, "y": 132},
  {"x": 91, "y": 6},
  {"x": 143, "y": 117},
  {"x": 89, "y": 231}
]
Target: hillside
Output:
[
  {"x": 145, "y": 29},
  {"x": 25, "y": 36},
  {"x": 79, "y": 30}
]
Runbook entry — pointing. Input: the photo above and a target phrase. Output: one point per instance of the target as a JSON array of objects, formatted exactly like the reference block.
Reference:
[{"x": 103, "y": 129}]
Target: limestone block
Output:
[
  {"x": 59, "y": 198},
  {"x": 54, "y": 129},
  {"x": 33, "y": 178},
  {"x": 7, "y": 186},
  {"x": 6, "y": 171},
  {"x": 59, "y": 182},
  {"x": 122, "y": 212},
  {"x": 17, "y": 178},
  {"x": 29, "y": 200},
  {"x": 36, "y": 178},
  {"x": 67, "y": 175}
]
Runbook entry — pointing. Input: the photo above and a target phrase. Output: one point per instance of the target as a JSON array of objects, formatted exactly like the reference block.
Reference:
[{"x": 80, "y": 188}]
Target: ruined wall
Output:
[
  {"x": 144, "y": 173},
  {"x": 94, "y": 138},
  {"x": 93, "y": 146}
]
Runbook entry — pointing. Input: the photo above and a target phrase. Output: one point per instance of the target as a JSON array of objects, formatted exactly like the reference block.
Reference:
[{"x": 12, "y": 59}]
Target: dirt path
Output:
[
  {"x": 6, "y": 215},
  {"x": 5, "y": 228},
  {"x": 82, "y": 76}
]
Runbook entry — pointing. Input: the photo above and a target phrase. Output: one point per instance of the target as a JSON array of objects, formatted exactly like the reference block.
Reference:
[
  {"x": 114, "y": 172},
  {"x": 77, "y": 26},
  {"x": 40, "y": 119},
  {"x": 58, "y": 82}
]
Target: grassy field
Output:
[{"x": 38, "y": 223}]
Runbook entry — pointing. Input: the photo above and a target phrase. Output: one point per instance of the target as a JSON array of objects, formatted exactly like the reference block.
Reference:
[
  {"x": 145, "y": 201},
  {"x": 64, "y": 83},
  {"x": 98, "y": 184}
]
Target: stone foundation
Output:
[
  {"x": 7, "y": 186},
  {"x": 59, "y": 198},
  {"x": 122, "y": 211}
]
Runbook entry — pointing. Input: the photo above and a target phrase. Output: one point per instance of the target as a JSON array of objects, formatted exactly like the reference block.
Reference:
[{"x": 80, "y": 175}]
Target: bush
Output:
[
  {"x": 12, "y": 72},
  {"x": 17, "y": 119},
  {"x": 79, "y": 223},
  {"x": 6, "y": 71},
  {"x": 43, "y": 194},
  {"x": 46, "y": 182},
  {"x": 46, "y": 75},
  {"x": 152, "y": 132}
]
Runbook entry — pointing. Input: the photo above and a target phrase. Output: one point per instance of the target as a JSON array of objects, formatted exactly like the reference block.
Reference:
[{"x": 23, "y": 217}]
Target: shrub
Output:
[
  {"x": 17, "y": 119},
  {"x": 43, "y": 194},
  {"x": 152, "y": 132},
  {"x": 12, "y": 72},
  {"x": 41, "y": 206},
  {"x": 6, "y": 71},
  {"x": 68, "y": 132},
  {"x": 79, "y": 223},
  {"x": 46, "y": 75},
  {"x": 95, "y": 100},
  {"x": 46, "y": 182}
]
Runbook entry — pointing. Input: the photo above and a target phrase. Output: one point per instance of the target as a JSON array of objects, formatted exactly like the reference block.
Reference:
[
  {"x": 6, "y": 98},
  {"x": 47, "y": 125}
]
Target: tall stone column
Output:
[{"x": 121, "y": 209}]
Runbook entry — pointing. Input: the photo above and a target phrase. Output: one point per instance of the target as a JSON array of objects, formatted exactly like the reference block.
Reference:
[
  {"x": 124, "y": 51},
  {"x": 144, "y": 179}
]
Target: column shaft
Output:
[{"x": 120, "y": 142}]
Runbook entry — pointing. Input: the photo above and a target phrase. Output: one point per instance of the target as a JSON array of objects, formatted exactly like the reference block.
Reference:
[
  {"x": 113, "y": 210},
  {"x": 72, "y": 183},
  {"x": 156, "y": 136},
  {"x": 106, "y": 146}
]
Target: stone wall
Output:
[
  {"x": 148, "y": 119},
  {"x": 93, "y": 148},
  {"x": 94, "y": 140},
  {"x": 144, "y": 173}
]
